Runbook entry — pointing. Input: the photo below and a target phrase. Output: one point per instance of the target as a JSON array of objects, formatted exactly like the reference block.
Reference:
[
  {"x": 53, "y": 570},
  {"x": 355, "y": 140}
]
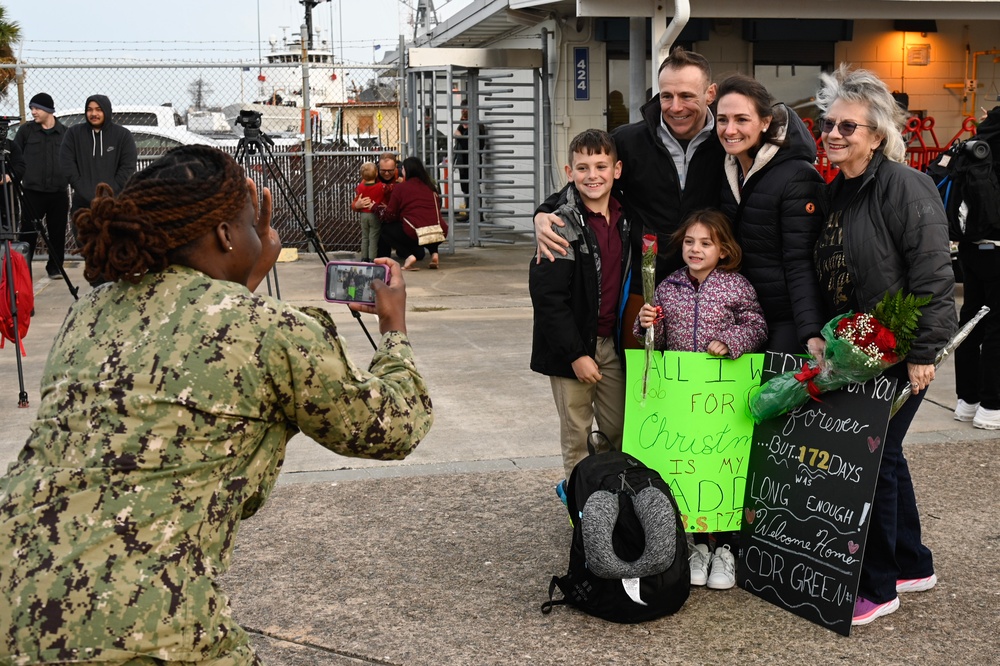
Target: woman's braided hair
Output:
[{"x": 164, "y": 207}]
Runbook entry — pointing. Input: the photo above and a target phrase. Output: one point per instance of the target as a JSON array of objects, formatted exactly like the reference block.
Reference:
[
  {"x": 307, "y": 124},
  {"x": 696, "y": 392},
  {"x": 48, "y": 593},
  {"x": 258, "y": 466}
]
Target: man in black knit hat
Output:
[{"x": 44, "y": 183}]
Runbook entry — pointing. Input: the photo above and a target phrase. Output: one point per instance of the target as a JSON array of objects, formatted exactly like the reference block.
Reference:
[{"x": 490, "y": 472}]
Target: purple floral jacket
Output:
[{"x": 724, "y": 307}]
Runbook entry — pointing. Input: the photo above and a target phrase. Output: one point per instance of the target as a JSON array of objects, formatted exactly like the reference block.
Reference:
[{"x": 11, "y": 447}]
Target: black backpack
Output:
[
  {"x": 970, "y": 190},
  {"x": 628, "y": 561}
]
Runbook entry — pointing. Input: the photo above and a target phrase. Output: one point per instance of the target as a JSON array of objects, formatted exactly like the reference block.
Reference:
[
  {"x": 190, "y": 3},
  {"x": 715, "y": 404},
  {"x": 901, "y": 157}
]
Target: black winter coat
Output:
[
  {"x": 566, "y": 293},
  {"x": 896, "y": 237},
  {"x": 650, "y": 187},
  {"x": 41, "y": 156},
  {"x": 777, "y": 218}
]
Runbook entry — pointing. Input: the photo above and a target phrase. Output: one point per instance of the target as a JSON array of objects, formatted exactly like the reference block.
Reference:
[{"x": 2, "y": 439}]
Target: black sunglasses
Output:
[{"x": 846, "y": 127}]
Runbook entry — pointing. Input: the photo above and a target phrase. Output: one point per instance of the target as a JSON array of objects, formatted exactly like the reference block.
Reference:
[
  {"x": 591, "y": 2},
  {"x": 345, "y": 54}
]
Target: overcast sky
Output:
[
  {"x": 69, "y": 31},
  {"x": 217, "y": 29}
]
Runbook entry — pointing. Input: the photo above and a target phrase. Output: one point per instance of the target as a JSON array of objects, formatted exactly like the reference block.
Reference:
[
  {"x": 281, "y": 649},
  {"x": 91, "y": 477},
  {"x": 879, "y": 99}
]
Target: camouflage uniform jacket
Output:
[{"x": 165, "y": 410}]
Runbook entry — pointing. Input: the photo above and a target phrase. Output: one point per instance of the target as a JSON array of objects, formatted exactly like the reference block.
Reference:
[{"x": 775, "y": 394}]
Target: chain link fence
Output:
[{"x": 354, "y": 116}]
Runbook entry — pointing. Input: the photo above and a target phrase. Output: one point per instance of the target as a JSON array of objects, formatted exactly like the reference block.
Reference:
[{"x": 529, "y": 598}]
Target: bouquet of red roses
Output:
[{"x": 858, "y": 347}]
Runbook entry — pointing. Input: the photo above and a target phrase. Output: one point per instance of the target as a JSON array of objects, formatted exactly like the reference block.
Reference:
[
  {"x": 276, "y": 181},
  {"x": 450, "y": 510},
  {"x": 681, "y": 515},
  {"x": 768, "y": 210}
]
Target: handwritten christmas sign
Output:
[{"x": 693, "y": 427}]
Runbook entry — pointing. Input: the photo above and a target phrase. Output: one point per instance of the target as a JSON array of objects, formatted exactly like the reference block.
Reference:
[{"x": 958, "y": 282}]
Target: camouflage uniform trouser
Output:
[{"x": 241, "y": 656}]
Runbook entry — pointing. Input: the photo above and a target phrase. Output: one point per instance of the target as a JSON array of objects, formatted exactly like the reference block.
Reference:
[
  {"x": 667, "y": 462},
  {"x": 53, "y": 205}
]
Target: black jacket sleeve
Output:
[{"x": 803, "y": 211}]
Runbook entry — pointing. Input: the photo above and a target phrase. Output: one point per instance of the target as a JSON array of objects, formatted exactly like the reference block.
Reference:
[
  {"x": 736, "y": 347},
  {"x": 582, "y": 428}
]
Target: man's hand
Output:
[
  {"x": 362, "y": 203},
  {"x": 270, "y": 242},
  {"x": 390, "y": 299},
  {"x": 549, "y": 241},
  {"x": 586, "y": 370}
]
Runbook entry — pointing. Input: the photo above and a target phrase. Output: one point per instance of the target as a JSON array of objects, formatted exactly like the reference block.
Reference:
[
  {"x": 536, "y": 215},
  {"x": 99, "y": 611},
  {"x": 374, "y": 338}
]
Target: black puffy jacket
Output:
[
  {"x": 896, "y": 237},
  {"x": 777, "y": 218}
]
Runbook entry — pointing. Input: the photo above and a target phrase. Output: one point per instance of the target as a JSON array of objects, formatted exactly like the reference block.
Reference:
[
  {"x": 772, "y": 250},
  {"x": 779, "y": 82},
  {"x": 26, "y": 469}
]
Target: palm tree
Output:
[{"x": 10, "y": 34}]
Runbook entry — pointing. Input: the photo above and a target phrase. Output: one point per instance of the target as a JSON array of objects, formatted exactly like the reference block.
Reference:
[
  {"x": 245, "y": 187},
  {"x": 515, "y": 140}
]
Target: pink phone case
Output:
[{"x": 351, "y": 281}]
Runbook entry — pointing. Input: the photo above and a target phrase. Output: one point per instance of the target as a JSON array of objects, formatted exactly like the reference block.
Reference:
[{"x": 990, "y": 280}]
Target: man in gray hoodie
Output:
[{"x": 98, "y": 151}]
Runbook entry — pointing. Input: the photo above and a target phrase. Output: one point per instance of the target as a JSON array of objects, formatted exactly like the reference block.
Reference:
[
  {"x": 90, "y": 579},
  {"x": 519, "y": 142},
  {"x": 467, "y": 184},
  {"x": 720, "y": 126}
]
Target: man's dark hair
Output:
[{"x": 680, "y": 58}]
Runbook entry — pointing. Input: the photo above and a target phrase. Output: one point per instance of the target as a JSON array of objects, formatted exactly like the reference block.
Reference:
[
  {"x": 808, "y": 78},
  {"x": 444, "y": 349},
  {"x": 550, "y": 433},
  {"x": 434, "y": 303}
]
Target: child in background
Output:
[
  {"x": 706, "y": 307},
  {"x": 577, "y": 302},
  {"x": 371, "y": 225}
]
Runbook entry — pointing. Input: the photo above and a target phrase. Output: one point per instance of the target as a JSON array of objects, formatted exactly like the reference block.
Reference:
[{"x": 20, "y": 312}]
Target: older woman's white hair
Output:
[{"x": 861, "y": 86}]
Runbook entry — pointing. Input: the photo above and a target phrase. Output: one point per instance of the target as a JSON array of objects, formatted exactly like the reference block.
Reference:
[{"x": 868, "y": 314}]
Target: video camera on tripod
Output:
[
  {"x": 250, "y": 121},
  {"x": 5, "y": 122},
  {"x": 256, "y": 142}
]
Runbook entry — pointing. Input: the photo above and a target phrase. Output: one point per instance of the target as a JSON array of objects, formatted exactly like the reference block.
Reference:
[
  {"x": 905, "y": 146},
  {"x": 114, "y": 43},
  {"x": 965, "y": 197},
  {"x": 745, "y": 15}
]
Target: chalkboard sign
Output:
[{"x": 810, "y": 483}]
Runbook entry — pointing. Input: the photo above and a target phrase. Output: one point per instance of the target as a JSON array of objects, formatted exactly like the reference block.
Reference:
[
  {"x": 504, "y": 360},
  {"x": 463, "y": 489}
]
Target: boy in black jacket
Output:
[{"x": 577, "y": 300}]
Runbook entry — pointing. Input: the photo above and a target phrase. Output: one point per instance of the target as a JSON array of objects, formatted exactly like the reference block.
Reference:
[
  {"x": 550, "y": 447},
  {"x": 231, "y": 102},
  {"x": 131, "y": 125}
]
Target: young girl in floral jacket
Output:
[{"x": 706, "y": 307}]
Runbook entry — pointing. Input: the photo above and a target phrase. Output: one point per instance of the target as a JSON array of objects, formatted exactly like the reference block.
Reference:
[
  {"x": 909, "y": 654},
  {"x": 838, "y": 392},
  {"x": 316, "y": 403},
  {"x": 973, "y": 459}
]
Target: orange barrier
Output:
[
  {"x": 445, "y": 203},
  {"x": 969, "y": 127}
]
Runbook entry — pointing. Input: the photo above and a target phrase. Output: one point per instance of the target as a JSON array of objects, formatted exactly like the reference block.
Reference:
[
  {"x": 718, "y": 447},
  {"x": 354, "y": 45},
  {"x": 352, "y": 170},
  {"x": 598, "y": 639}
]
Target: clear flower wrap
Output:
[{"x": 648, "y": 294}]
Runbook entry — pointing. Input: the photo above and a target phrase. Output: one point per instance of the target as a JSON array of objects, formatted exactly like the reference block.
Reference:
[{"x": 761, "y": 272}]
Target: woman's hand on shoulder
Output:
[{"x": 390, "y": 299}]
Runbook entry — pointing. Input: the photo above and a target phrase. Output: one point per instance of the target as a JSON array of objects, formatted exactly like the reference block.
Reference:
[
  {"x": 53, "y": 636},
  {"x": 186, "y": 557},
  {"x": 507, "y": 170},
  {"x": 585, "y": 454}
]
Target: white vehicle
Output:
[
  {"x": 130, "y": 115},
  {"x": 154, "y": 141}
]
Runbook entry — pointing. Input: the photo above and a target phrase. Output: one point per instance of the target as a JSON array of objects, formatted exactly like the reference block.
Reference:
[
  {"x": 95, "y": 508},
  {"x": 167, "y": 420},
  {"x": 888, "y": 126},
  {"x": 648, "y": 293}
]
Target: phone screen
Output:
[{"x": 351, "y": 281}]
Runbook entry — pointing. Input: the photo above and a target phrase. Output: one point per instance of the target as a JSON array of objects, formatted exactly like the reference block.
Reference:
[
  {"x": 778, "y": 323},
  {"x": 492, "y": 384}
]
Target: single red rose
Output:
[{"x": 649, "y": 241}]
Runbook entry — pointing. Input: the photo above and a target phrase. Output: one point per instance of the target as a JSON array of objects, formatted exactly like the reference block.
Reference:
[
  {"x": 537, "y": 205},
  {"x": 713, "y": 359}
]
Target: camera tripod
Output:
[
  {"x": 256, "y": 143},
  {"x": 7, "y": 249},
  {"x": 40, "y": 231}
]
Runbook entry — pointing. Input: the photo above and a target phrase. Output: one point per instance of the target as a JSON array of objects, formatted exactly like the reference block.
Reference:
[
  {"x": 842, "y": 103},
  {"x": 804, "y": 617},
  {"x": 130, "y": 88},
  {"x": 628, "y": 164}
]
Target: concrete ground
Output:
[{"x": 445, "y": 558}]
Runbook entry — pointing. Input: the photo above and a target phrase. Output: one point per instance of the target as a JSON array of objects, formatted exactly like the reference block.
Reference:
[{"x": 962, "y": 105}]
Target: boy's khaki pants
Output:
[{"x": 579, "y": 405}]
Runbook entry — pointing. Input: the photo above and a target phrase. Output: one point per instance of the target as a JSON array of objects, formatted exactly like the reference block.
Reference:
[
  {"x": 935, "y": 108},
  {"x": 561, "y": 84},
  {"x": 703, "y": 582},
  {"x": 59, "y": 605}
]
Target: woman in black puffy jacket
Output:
[{"x": 774, "y": 197}]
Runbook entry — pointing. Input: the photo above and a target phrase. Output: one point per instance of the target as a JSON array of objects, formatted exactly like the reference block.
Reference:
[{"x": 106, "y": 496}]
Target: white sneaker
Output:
[
  {"x": 915, "y": 584},
  {"x": 699, "y": 561},
  {"x": 723, "y": 576},
  {"x": 964, "y": 411},
  {"x": 987, "y": 419}
]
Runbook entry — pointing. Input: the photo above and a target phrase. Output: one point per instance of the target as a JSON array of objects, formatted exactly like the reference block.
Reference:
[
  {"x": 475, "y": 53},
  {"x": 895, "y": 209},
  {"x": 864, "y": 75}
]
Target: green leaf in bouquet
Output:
[{"x": 901, "y": 314}]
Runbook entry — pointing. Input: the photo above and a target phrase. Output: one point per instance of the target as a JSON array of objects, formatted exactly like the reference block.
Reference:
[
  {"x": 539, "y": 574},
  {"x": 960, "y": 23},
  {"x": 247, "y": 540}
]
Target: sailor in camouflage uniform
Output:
[{"x": 167, "y": 401}]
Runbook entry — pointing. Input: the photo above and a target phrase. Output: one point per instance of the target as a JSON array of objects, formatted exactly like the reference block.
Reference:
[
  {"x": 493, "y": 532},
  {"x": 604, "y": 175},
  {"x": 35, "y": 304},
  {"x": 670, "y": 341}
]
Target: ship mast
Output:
[{"x": 309, "y": 5}]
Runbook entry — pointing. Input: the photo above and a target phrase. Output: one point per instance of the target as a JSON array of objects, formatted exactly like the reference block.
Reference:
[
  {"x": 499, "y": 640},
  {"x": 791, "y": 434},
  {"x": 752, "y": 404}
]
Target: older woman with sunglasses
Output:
[{"x": 885, "y": 231}]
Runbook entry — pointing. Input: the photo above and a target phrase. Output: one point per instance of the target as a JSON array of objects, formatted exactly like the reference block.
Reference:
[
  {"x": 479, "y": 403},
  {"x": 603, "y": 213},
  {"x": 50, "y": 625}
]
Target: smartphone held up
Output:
[{"x": 351, "y": 281}]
